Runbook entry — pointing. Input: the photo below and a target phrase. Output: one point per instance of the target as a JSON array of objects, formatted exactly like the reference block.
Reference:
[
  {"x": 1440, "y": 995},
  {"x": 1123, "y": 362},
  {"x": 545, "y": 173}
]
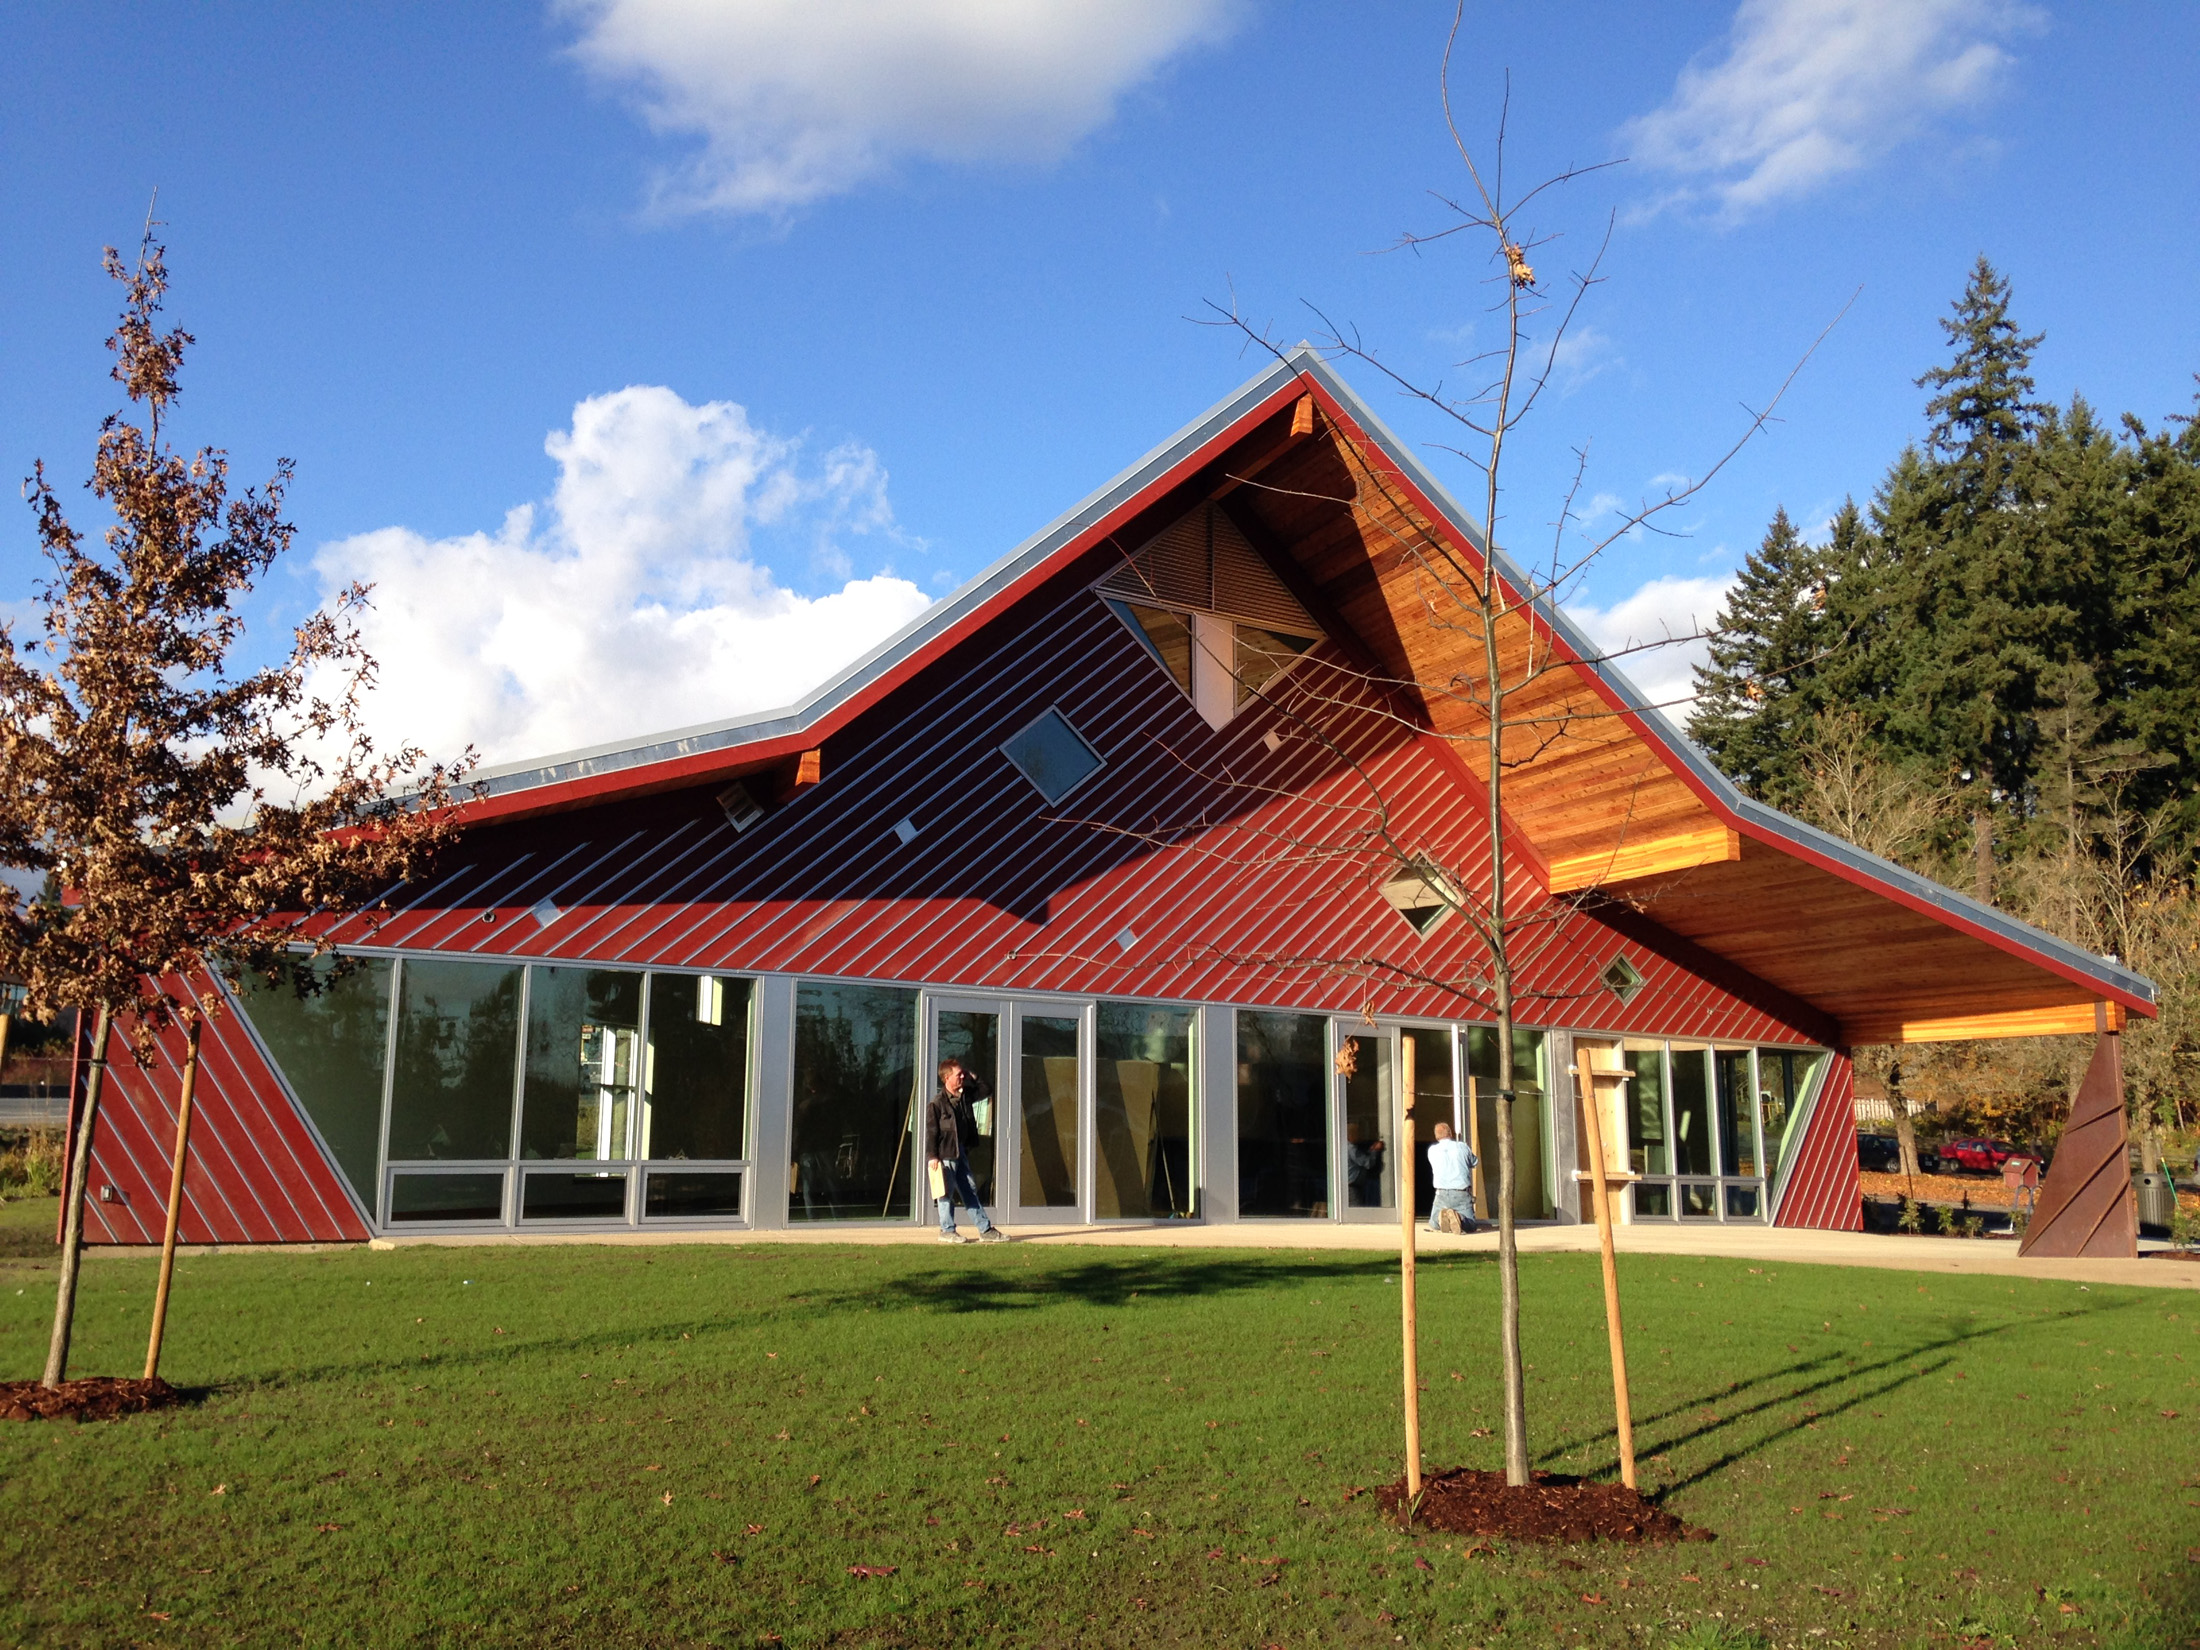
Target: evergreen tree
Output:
[
  {"x": 2151, "y": 666},
  {"x": 1773, "y": 634}
]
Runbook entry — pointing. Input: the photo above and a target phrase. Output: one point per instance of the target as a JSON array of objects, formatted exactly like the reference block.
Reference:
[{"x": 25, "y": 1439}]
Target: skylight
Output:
[{"x": 1052, "y": 755}]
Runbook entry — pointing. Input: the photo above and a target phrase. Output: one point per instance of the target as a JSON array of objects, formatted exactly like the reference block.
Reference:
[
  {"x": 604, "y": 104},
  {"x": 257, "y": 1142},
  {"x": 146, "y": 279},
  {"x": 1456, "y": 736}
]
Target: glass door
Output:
[
  {"x": 1049, "y": 1088},
  {"x": 969, "y": 1031},
  {"x": 1367, "y": 1085}
]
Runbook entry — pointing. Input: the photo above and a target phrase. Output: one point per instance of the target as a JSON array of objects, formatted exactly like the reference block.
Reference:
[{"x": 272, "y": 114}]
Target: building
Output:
[{"x": 1061, "y": 826}]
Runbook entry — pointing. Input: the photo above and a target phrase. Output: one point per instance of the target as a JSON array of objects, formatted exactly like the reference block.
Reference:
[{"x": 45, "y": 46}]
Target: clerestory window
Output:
[{"x": 1211, "y": 612}]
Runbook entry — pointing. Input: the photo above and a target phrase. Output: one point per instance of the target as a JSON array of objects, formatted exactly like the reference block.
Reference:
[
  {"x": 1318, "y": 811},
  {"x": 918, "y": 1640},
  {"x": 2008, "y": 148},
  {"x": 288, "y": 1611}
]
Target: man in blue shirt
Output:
[{"x": 1450, "y": 1164}]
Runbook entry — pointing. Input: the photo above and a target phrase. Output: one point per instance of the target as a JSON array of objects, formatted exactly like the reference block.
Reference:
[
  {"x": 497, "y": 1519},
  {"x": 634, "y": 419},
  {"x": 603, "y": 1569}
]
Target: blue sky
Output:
[{"x": 656, "y": 355}]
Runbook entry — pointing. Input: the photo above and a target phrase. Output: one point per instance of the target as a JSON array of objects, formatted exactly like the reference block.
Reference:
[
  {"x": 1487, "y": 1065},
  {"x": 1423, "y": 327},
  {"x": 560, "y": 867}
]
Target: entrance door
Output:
[
  {"x": 1367, "y": 1113},
  {"x": 969, "y": 1031},
  {"x": 1048, "y": 1089}
]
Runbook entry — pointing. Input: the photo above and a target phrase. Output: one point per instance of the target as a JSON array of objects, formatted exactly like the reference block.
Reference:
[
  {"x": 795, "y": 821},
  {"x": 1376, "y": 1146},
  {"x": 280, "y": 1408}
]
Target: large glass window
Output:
[
  {"x": 1048, "y": 1094},
  {"x": 331, "y": 1047},
  {"x": 695, "y": 1074},
  {"x": 973, "y": 1036},
  {"x": 1531, "y": 1185},
  {"x": 583, "y": 1056},
  {"x": 457, "y": 1052},
  {"x": 1433, "y": 1103},
  {"x": 1692, "y": 1111},
  {"x": 1646, "y": 1153},
  {"x": 1737, "y": 1120},
  {"x": 1370, "y": 1175},
  {"x": 1784, "y": 1077},
  {"x": 855, "y": 1071},
  {"x": 1282, "y": 1115},
  {"x": 1143, "y": 1113}
]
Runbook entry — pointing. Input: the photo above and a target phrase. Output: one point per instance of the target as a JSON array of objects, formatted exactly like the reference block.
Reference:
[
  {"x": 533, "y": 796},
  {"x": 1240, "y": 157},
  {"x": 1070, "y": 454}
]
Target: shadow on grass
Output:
[
  {"x": 1177, "y": 1275},
  {"x": 1819, "y": 1378}
]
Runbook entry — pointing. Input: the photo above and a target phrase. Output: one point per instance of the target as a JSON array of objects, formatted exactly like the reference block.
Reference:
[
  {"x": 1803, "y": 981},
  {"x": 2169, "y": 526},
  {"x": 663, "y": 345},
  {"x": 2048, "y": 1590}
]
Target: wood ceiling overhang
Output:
[{"x": 1602, "y": 794}]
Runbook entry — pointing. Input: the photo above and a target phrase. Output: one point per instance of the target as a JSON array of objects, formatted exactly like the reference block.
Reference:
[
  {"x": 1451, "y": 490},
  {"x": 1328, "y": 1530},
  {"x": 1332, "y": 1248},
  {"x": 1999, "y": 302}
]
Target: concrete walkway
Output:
[{"x": 1976, "y": 1256}]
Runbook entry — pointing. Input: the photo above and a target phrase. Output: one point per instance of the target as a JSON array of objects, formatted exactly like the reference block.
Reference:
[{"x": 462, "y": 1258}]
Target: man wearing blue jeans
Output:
[
  {"x": 1450, "y": 1165},
  {"x": 949, "y": 1127}
]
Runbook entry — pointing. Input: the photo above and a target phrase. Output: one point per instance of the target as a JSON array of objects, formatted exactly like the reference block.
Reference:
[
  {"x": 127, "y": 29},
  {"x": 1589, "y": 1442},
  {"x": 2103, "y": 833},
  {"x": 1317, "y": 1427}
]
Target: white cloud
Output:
[
  {"x": 795, "y": 100},
  {"x": 634, "y": 602},
  {"x": 1643, "y": 630},
  {"x": 1581, "y": 355},
  {"x": 1810, "y": 90}
]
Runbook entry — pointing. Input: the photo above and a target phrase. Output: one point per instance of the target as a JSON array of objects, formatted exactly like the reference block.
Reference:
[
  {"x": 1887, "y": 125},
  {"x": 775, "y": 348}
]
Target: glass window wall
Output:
[
  {"x": 1282, "y": 1115},
  {"x": 1531, "y": 1178},
  {"x": 457, "y": 1055},
  {"x": 1370, "y": 1175},
  {"x": 855, "y": 1074},
  {"x": 332, "y": 1047},
  {"x": 1142, "y": 1116},
  {"x": 584, "y": 1028},
  {"x": 695, "y": 1074},
  {"x": 1433, "y": 1103},
  {"x": 1708, "y": 1127}
]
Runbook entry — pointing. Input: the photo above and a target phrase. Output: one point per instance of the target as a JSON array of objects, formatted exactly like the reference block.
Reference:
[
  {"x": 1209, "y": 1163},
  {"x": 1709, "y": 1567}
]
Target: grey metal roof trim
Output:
[
  {"x": 1304, "y": 360},
  {"x": 943, "y": 615}
]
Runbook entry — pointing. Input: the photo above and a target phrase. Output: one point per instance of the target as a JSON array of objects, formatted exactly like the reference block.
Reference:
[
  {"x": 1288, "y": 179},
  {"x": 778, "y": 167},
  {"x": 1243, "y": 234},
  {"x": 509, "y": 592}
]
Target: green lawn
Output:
[{"x": 1052, "y": 1445}]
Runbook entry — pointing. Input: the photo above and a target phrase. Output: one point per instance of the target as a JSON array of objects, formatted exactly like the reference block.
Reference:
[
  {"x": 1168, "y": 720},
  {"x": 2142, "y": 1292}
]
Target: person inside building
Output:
[
  {"x": 1450, "y": 1166},
  {"x": 950, "y": 1125}
]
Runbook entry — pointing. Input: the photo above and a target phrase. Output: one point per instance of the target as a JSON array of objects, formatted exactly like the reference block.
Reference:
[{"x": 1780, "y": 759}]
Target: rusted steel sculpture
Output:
[{"x": 2085, "y": 1203}]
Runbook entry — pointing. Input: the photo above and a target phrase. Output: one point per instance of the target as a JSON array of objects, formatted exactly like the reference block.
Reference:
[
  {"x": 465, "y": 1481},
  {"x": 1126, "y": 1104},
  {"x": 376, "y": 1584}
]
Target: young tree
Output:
[
  {"x": 1496, "y": 703},
  {"x": 180, "y": 801}
]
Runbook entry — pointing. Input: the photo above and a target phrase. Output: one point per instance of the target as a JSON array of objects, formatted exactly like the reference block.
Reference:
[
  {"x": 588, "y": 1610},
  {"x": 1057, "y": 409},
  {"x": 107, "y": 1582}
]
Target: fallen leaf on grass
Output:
[
  {"x": 328, "y": 1529},
  {"x": 1480, "y": 1432},
  {"x": 668, "y": 1498},
  {"x": 725, "y": 1558},
  {"x": 1044, "y": 1552},
  {"x": 816, "y": 1478},
  {"x": 162, "y": 1615},
  {"x": 219, "y": 1489},
  {"x": 1592, "y": 1598},
  {"x": 654, "y": 1466},
  {"x": 872, "y": 1569},
  {"x": 1423, "y": 1564},
  {"x": 1761, "y": 1563},
  {"x": 1075, "y": 1512},
  {"x": 2068, "y": 1609},
  {"x": 2169, "y": 1415}
]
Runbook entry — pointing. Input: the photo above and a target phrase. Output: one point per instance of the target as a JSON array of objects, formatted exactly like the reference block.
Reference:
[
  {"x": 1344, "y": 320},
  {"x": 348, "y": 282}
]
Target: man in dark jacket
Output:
[{"x": 950, "y": 1126}]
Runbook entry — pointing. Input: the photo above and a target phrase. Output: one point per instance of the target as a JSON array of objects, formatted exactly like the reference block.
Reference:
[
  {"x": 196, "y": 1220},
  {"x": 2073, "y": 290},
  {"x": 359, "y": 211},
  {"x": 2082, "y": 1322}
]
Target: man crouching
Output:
[{"x": 949, "y": 1127}]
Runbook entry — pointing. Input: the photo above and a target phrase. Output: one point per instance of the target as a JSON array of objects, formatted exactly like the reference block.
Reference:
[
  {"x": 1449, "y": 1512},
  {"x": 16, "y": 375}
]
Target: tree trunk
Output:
[
  {"x": 72, "y": 1208},
  {"x": 1508, "y": 1259},
  {"x": 2150, "y": 1147},
  {"x": 1982, "y": 854},
  {"x": 1905, "y": 1131}
]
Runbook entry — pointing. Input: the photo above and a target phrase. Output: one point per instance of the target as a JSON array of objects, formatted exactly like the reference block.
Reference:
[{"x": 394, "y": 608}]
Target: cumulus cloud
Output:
[
  {"x": 1644, "y": 631},
  {"x": 794, "y": 100},
  {"x": 1807, "y": 91},
  {"x": 633, "y": 601}
]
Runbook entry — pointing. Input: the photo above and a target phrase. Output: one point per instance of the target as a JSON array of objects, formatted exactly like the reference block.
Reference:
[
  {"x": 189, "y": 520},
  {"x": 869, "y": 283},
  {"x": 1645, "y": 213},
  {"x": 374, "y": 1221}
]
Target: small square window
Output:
[
  {"x": 1623, "y": 979},
  {"x": 1421, "y": 895},
  {"x": 1053, "y": 756}
]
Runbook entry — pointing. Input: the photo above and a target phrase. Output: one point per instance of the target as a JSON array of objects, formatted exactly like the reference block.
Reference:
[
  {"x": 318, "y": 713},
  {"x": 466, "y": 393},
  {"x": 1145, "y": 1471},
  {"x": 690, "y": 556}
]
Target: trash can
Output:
[{"x": 2157, "y": 1202}]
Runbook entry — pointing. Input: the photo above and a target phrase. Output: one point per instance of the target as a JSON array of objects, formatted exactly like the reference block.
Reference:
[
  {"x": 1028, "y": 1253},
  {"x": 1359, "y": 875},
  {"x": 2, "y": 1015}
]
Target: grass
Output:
[{"x": 1062, "y": 1446}]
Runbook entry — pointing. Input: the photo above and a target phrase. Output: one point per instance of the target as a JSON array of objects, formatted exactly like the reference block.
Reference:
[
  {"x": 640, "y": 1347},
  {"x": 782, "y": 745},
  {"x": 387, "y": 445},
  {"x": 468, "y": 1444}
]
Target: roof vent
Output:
[
  {"x": 544, "y": 912},
  {"x": 1622, "y": 979},
  {"x": 906, "y": 832},
  {"x": 741, "y": 809}
]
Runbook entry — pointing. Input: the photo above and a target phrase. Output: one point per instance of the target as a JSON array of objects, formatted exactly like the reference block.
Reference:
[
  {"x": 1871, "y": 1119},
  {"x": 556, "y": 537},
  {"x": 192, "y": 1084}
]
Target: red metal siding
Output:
[
  {"x": 1822, "y": 1190},
  {"x": 1000, "y": 891},
  {"x": 256, "y": 1175}
]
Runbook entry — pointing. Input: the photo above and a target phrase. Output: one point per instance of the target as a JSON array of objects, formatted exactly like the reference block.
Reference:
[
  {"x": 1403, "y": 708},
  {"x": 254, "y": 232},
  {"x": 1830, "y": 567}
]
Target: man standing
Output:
[
  {"x": 949, "y": 1128},
  {"x": 1449, "y": 1161}
]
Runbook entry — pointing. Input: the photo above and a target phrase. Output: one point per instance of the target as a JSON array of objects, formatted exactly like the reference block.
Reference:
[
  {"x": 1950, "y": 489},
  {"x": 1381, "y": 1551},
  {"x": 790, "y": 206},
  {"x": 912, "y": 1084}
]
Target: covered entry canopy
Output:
[{"x": 1605, "y": 799}]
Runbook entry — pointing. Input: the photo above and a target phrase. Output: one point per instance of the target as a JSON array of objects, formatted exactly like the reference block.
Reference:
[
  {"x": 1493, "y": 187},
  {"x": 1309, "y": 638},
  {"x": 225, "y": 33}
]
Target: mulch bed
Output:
[
  {"x": 1468, "y": 1501},
  {"x": 95, "y": 1398}
]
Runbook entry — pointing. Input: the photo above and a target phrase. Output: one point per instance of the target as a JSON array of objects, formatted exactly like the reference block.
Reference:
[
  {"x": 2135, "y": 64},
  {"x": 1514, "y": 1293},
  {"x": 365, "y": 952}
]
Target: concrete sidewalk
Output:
[{"x": 1976, "y": 1256}]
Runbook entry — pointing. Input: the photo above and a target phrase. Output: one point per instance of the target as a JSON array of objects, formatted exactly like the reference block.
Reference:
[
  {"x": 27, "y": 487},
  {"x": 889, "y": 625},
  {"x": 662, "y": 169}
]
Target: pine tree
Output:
[{"x": 1755, "y": 694}]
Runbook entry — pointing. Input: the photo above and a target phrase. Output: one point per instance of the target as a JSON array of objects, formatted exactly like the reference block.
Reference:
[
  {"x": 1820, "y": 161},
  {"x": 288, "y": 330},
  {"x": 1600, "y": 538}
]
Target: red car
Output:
[{"x": 1980, "y": 1156}]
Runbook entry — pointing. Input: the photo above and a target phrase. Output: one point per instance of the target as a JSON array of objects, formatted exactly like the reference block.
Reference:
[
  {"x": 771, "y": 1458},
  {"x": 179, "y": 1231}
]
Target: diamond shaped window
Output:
[{"x": 1052, "y": 755}]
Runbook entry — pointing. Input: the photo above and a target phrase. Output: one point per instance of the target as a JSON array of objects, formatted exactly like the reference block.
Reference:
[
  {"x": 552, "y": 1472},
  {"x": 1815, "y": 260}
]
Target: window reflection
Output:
[
  {"x": 583, "y": 1057},
  {"x": 1531, "y": 1189},
  {"x": 1692, "y": 1110},
  {"x": 1282, "y": 1115},
  {"x": 697, "y": 1070},
  {"x": 457, "y": 1050},
  {"x": 855, "y": 1069},
  {"x": 1369, "y": 1174},
  {"x": 332, "y": 1047},
  {"x": 1142, "y": 1116}
]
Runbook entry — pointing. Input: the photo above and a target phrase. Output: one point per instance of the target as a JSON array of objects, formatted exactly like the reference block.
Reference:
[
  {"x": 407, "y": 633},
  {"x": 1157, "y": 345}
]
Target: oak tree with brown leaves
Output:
[{"x": 183, "y": 803}]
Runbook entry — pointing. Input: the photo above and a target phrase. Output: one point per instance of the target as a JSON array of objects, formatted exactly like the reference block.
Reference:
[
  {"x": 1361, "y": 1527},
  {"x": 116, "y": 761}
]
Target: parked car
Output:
[
  {"x": 1878, "y": 1153},
  {"x": 1978, "y": 1155}
]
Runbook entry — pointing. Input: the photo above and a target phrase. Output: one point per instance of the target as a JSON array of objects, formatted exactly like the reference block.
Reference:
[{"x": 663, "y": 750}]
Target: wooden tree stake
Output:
[
  {"x": 1405, "y": 1266},
  {"x": 175, "y": 1200},
  {"x": 1601, "y": 1189}
]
